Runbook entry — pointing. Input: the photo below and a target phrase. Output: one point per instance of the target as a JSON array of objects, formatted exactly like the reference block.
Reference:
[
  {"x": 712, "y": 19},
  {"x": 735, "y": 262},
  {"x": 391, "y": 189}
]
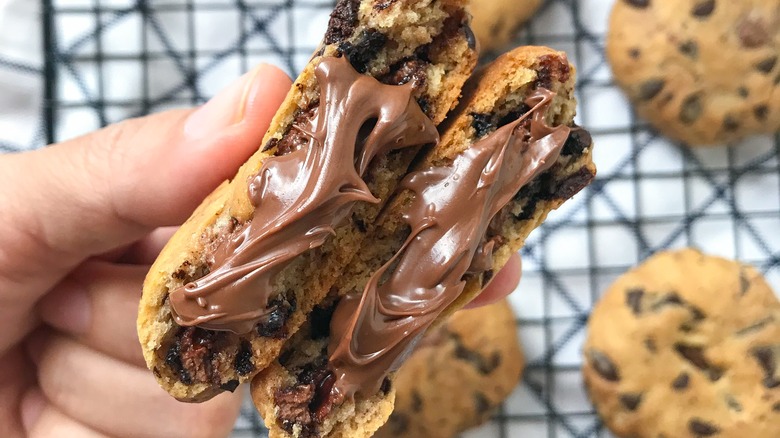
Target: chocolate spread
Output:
[
  {"x": 302, "y": 196},
  {"x": 374, "y": 332}
]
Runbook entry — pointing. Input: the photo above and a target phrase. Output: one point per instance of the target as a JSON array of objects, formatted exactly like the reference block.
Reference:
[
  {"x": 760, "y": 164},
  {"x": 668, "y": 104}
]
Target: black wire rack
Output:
[{"x": 112, "y": 59}]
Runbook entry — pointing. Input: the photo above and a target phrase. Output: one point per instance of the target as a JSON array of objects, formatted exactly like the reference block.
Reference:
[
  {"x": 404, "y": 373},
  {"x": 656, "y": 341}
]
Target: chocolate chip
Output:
[
  {"x": 487, "y": 276},
  {"x": 767, "y": 360},
  {"x": 681, "y": 382},
  {"x": 744, "y": 281},
  {"x": 365, "y": 49},
  {"x": 292, "y": 405},
  {"x": 173, "y": 361},
  {"x": 703, "y": 8},
  {"x": 481, "y": 404},
  {"x": 730, "y": 123},
  {"x": 482, "y": 124},
  {"x": 631, "y": 401},
  {"x": 776, "y": 407},
  {"x": 690, "y": 49},
  {"x": 417, "y": 402},
  {"x": 578, "y": 140},
  {"x": 758, "y": 326},
  {"x": 320, "y": 321},
  {"x": 470, "y": 37},
  {"x": 752, "y": 32},
  {"x": 550, "y": 69},
  {"x": 691, "y": 109},
  {"x": 761, "y": 112},
  {"x": 743, "y": 92},
  {"x": 604, "y": 366},
  {"x": 766, "y": 66},
  {"x": 702, "y": 428},
  {"x": 386, "y": 386},
  {"x": 360, "y": 225},
  {"x": 650, "y": 89},
  {"x": 383, "y": 4},
  {"x": 574, "y": 183},
  {"x": 638, "y": 3},
  {"x": 484, "y": 365},
  {"x": 634, "y": 53},
  {"x": 343, "y": 21},
  {"x": 409, "y": 70},
  {"x": 243, "y": 363},
  {"x": 398, "y": 423},
  {"x": 650, "y": 345},
  {"x": 272, "y": 143},
  {"x": 230, "y": 386},
  {"x": 634, "y": 300},
  {"x": 732, "y": 403},
  {"x": 273, "y": 325},
  {"x": 695, "y": 356}
]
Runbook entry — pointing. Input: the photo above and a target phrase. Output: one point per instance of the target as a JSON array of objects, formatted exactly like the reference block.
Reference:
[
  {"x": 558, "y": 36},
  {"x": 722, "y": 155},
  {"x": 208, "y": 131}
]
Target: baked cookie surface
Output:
[
  {"x": 701, "y": 71},
  {"x": 686, "y": 345},
  {"x": 496, "y": 22},
  {"x": 459, "y": 375}
]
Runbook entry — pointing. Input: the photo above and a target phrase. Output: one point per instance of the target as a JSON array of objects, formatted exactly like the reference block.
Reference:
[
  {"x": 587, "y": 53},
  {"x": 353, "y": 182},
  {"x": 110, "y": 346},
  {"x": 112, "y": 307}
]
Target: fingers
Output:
[
  {"x": 92, "y": 194},
  {"x": 145, "y": 251},
  {"x": 98, "y": 305},
  {"x": 122, "y": 400},
  {"x": 502, "y": 284},
  {"x": 42, "y": 420}
]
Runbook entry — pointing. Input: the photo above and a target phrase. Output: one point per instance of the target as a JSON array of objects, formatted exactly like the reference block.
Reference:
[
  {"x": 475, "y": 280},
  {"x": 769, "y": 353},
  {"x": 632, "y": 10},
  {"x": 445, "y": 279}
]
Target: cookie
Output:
[
  {"x": 701, "y": 71},
  {"x": 686, "y": 345},
  {"x": 508, "y": 156},
  {"x": 243, "y": 273},
  {"x": 458, "y": 376},
  {"x": 496, "y": 22}
]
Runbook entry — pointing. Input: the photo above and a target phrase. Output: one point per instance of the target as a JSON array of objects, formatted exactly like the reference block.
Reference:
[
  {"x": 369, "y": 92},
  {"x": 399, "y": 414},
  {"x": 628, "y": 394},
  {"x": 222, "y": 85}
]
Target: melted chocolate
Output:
[
  {"x": 301, "y": 197},
  {"x": 373, "y": 333}
]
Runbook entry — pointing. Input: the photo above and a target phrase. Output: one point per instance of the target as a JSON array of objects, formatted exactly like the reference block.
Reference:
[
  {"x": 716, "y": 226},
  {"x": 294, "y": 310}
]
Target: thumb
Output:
[{"x": 86, "y": 196}]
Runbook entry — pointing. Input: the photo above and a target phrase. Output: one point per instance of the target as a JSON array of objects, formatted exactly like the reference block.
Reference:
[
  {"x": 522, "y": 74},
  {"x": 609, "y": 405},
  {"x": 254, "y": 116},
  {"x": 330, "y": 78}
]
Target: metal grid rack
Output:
[{"x": 106, "y": 60}]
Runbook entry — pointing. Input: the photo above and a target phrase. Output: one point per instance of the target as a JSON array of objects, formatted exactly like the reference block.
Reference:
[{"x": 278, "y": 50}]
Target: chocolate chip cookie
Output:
[
  {"x": 496, "y": 22},
  {"x": 458, "y": 375},
  {"x": 701, "y": 71},
  {"x": 508, "y": 155},
  {"x": 243, "y": 273},
  {"x": 686, "y": 345}
]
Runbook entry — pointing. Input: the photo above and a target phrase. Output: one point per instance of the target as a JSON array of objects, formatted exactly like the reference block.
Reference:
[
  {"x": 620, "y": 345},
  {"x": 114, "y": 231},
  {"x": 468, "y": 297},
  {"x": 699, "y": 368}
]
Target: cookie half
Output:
[
  {"x": 701, "y": 71},
  {"x": 243, "y": 272},
  {"x": 458, "y": 376},
  {"x": 686, "y": 345},
  {"x": 508, "y": 156}
]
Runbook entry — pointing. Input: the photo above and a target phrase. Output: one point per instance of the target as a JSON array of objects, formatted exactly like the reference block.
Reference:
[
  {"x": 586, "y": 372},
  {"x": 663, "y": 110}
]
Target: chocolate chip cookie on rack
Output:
[
  {"x": 686, "y": 345},
  {"x": 508, "y": 155},
  {"x": 243, "y": 273},
  {"x": 496, "y": 22},
  {"x": 458, "y": 376},
  {"x": 701, "y": 71}
]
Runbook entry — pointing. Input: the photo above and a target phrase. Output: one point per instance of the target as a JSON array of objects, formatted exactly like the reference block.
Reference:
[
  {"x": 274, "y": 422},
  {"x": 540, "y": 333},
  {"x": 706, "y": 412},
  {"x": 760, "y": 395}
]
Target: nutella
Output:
[
  {"x": 373, "y": 333},
  {"x": 301, "y": 197}
]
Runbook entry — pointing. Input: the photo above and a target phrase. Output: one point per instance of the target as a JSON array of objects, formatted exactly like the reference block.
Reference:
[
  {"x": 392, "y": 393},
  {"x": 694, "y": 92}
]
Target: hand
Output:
[{"x": 81, "y": 223}]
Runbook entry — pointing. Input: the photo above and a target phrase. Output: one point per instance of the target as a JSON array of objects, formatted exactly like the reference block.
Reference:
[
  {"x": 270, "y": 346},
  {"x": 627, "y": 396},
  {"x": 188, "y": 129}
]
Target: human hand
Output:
[{"x": 81, "y": 225}]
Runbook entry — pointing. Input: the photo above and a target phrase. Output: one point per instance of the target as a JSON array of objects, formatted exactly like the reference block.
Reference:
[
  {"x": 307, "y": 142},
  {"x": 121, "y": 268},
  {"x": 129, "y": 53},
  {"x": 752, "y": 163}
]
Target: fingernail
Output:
[
  {"x": 31, "y": 408},
  {"x": 68, "y": 308},
  {"x": 223, "y": 110}
]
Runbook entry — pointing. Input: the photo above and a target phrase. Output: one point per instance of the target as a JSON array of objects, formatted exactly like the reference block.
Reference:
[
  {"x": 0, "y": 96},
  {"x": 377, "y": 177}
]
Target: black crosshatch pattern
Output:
[{"x": 649, "y": 195}]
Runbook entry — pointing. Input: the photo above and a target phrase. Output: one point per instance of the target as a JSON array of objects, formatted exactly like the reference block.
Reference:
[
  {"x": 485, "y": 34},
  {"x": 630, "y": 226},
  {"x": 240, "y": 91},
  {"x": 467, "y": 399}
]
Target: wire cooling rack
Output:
[{"x": 112, "y": 59}]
